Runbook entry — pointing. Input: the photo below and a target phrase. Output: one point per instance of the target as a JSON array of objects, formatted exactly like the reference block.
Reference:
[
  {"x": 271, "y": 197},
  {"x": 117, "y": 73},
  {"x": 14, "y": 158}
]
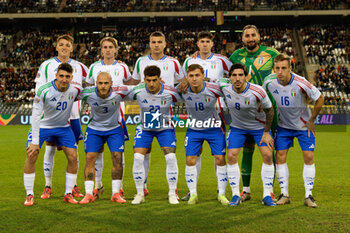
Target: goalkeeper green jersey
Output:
[{"x": 259, "y": 64}]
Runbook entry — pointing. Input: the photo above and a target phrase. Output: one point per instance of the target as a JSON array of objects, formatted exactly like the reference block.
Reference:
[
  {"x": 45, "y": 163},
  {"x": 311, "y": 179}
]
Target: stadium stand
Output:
[
  {"x": 64, "y": 6},
  {"x": 334, "y": 84},
  {"x": 326, "y": 44},
  {"x": 29, "y": 6}
]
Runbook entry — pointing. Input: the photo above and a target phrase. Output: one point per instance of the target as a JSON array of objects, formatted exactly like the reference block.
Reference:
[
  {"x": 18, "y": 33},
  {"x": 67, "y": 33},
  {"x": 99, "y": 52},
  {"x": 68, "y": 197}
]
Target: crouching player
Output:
[
  {"x": 200, "y": 99},
  {"x": 291, "y": 93},
  {"x": 154, "y": 99},
  {"x": 244, "y": 100},
  {"x": 53, "y": 101},
  {"x": 105, "y": 103}
]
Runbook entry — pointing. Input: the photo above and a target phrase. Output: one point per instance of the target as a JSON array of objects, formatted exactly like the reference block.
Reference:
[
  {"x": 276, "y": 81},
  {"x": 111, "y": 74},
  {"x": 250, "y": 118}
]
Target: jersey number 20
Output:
[{"x": 61, "y": 106}]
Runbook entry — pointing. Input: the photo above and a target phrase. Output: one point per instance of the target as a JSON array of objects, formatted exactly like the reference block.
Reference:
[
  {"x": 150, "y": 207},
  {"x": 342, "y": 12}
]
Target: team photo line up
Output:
[{"x": 256, "y": 84}]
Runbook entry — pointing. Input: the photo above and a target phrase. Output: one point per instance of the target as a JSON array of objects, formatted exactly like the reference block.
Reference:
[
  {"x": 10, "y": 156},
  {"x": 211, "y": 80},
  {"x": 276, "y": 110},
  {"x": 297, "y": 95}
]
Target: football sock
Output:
[
  {"x": 233, "y": 175},
  {"x": 282, "y": 177},
  {"x": 171, "y": 171},
  {"x": 198, "y": 166},
  {"x": 309, "y": 178},
  {"x": 71, "y": 179},
  {"x": 99, "y": 170},
  {"x": 123, "y": 164},
  {"x": 246, "y": 189},
  {"x": 221, "y": 176},
  {"x": 191, "y": 178},
  {"x": 146, "y": 164},
  {"x": 138, "y": 171},
  {"x": 267, "y": 174},
  {"x": 77, "y": 168},
  {"x": 246, "y": 165},
  {"x": 29, "y": 183},
  {"x": 89, "y": 187},
  {"x": 49, "y": 164},
  {"x": 116, "y": 186}
]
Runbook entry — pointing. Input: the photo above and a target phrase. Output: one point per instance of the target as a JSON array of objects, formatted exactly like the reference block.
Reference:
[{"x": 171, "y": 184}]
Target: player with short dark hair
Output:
[
  {"x": 259, "y": 62},
  {"x": 155, "y": 100},
  {"x": 215, "y": 66},
  {"x": 51, "y": 110},
  {"x": 171, "y": 73},
  {"x": 46, "y": 74},
  {"x": 244, "y": 100}
]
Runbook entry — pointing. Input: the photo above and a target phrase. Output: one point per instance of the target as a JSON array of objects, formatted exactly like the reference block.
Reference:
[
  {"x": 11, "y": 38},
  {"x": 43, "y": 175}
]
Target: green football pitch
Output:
[{"x": 331, "y": 191}]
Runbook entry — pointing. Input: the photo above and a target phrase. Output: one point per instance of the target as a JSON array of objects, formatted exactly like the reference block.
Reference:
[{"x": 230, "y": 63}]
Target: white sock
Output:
[
  {"x": 198, "y": 166},
  {"x": 246, "y": 189},
  {"x": 146, "y": 164},
  {"x": 282, "y": 177},
  {"x": 309, "y": 178},
  {"x": 98, "y": 170},
  {"x": 221, "y": 176},
  {"x": 49, "y": 164},
  {"x": 191, "y": 178},
  {"x": 172, "y": 171},
  {"x": 75, "y": 184},
  {"x": 138, "y": 171},
  {"x": 123, "y": 164},
  {"x": 234, "y": 176},
  {"x": 116, "y": 184},
  {"x": 29, "y": 182},
  {"x": 71, "y": 179},
  {"x": 267, "y": 176},
  {"x": 89, "y": 187}
]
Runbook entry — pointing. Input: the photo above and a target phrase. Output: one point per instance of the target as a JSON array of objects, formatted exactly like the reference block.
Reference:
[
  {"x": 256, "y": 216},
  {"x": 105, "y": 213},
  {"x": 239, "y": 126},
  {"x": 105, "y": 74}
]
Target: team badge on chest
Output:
[{"x": 293, "y": 93}]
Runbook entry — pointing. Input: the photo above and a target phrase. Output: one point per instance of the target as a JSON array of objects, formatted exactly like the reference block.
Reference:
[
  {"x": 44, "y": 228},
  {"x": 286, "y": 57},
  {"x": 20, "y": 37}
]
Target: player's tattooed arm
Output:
[
  {"x": 269, "y": 118},
  {"x": 167, "y": 150},
  {"x": 266, "y": 137}
]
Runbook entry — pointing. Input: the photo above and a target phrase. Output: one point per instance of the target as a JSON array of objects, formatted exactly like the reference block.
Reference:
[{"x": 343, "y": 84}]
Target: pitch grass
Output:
[{"x": 332, "y": 191}]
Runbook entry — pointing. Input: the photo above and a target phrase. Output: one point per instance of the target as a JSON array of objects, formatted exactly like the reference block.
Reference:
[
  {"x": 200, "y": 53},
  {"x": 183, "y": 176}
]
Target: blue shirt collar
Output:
[
  {"x": 245, "y": 90},
  {"x": 54, "y": 85},
  {"x": 211, "y": 55},
  {"x": 204, "y": 85},
  {"x": 290, "y": 81},
  {"x": 58, "y": 60},
  {"x": 104, "y": 64},
  {"x": 160, "y": 92},
  {"x": 110, "y": 93},
  {"x": 149, "y": 57}
]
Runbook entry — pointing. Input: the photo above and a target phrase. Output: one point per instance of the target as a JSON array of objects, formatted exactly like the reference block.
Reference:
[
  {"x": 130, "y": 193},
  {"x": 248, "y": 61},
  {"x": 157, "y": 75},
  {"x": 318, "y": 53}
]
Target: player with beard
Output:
[{"x": 259, "y": 61}]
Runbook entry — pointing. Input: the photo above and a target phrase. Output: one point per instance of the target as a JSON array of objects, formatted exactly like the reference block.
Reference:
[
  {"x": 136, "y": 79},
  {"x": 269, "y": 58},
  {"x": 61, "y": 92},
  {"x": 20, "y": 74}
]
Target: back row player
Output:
[
  {"x": 47, "y": 73},
  {"x": 120, "y": 75},
  {"x": 259, "y": 61}
]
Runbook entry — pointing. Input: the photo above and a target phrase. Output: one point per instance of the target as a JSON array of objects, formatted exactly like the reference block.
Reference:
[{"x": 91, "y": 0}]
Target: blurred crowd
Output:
[
  {"x": 49, "y": 6},
  {"x": 326, "y": 44},
  {"x": 17, "y": 85},
  {"x": 334, "y": 83}
]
